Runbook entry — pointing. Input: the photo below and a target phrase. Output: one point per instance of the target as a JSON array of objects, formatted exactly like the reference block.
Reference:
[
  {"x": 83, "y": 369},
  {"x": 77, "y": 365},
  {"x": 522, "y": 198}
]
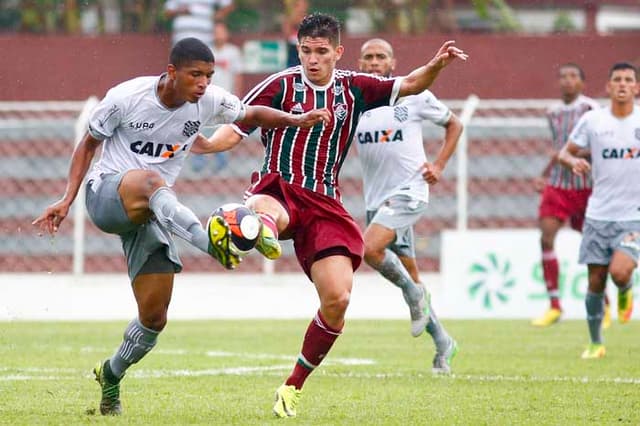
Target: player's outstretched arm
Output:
[
  {"x": 223, "y": 139},
  {"x": 569, "y": 157},
  {"x": 423, "y": 77},
  {"x": 53, "y": 215},
  {"x": 271, "y": 118}
]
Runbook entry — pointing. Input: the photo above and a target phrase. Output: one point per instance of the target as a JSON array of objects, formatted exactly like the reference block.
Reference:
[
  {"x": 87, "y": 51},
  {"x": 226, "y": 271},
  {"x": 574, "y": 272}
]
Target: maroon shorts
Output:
[
  {"x": 565, "y": 204},
  {"x": 319, "y": 225}
]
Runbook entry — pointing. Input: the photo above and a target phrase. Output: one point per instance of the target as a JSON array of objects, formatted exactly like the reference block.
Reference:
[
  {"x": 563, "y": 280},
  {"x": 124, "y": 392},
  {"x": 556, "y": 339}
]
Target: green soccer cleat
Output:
[
  {"x": 219, "y": 242},
  {"x": 110, "y": 402},
  {"x": 625, "y": 306},
  {"x": 268, "y": 244},
  {"x": 419, "y": 312},
  {"x": 287, "y": 397},
  {"x": 594, "y": 351},
  {"x": 442, "y": 362}
]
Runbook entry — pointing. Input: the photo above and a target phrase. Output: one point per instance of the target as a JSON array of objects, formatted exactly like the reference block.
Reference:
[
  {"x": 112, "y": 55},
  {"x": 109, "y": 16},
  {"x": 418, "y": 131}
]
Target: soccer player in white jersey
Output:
[
  {"x": 396, "y": 178},
  {"x": 146, "y": 127},
  {"x": 296, "y": 193},
  {"x": 611, "y": 233},
  {"x": 564, "y": 195}
]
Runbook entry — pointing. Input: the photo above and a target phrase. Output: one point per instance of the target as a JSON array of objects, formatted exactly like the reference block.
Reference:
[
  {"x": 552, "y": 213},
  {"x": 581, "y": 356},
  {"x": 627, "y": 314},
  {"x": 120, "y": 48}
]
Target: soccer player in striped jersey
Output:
[
  {"x": 611, "y": 234},
  {"x": 396, "y": 178},
  {"x": 146, "y": 127},
  {"x": 296, "y": 192},
  {"x": 564, "y": 195}
]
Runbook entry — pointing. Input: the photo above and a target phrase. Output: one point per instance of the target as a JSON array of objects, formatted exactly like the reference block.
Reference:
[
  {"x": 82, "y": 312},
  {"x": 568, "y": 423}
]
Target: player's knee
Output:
[
  {"x": 620, "y": 274},
  {"x": 337, "y": 302},
  {"x": 373, "y": 255},
  {"x": 156, "y": 320}
]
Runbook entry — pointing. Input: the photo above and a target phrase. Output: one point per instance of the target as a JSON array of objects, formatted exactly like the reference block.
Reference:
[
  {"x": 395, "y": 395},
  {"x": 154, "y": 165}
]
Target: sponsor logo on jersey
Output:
[
  {"x": 191, "y": 127},
  {"x": 297, "y": 109},
  {"x": 400, "y": 113},
  {"x": 338, "y": 89},
  {"x": 141, "y": 125},
  {"x": 340, "y": 110},
  {"x": 156, "y": 150},
  {"x": 299, "y": 87},
  {"x": 380, "y": 136},
  {"x": 621, "y": 153}
]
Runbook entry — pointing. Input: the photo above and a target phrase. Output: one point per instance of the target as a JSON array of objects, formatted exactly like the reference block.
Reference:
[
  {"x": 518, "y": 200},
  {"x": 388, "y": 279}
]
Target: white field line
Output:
[
  {"x": 244, "y": 355},
  {"x": 25, "y": 374}
]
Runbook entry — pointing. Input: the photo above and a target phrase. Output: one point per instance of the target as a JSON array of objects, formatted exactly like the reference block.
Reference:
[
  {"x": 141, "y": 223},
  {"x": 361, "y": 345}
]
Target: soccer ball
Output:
[{"x": 244, "y": 225}]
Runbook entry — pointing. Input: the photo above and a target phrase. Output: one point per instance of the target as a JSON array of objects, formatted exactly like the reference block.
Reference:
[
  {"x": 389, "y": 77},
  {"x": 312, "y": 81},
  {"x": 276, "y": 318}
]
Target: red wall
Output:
[{"x": 73, "y": 68}]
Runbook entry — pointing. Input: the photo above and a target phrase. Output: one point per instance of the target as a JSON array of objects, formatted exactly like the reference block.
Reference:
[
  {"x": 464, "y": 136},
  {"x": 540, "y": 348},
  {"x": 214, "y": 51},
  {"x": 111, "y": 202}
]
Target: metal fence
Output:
[{"x": 487, "y": 184}]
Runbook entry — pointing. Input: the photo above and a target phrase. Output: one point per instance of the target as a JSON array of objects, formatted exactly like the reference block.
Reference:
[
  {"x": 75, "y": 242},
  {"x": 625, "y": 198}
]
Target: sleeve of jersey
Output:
[
  {"x": 377, "y": 91},
  {"x": 225, "y": 107},
  {"x": 268, "y": 93},
  {"x": 580, "y": 133},
  {"x": 106, "y": 116},
  {"x": 432, "y": 109}
]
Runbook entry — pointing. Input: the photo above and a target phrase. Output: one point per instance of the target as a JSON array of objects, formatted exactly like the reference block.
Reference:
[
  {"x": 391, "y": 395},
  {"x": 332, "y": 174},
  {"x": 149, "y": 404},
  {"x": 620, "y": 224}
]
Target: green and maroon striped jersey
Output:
[
  {"x": 562, "y": 118},
  {"x": 312, "y": 158}
]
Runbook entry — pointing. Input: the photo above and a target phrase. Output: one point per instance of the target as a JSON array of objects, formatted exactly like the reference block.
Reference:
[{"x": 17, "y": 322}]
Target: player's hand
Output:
[
  {"x": 50, "y": 220},
  {"x": 447, "y": 54},
  {"x": 431, "y": 173},
  {"x": 539, "y": 183},
  {"x": 311, "y": 118},
  {"x": 580, "y": 166}
]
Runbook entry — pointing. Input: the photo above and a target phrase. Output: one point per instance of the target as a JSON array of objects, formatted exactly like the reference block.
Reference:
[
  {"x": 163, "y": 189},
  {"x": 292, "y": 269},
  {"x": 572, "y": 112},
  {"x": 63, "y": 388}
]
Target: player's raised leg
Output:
[
  {"x": 144, "y": 193},
  {"x": 623, "y": 263},
  {"x": 274, "y": 218}
]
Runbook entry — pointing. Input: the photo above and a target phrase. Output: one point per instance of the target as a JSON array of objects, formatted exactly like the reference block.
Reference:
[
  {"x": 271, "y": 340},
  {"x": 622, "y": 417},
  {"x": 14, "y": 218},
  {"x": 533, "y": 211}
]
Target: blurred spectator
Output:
[
  {"x": 228, "y": 75},
  {"x": 294, "y": 11},
  {"x": 228, "y": 68},
  {"x": 195, "y": 18}
]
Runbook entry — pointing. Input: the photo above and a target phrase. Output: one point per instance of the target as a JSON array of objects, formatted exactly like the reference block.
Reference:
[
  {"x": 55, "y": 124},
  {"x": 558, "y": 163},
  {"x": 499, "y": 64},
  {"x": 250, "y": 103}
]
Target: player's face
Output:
[
  {"x": 192, "y": 79},
  {"x": 622, "y": 86},
  {"x": 318, "y": 58},
  {"x": 571, "y": 83},
  {"x": 376, "y": 59}
]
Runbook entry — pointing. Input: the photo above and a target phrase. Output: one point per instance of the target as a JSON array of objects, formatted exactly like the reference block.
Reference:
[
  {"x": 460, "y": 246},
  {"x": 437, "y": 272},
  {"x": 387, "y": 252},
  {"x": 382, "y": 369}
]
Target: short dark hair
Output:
[
  {"x": 574, "y": 66},
  {"x": 188, "y": 50},
  {"x": 623, "y": 66},
  {"x": 320, "y": 25}
]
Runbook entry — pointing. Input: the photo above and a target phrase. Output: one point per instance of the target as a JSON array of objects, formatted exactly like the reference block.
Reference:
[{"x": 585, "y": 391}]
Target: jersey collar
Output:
[{"x": 314, "y": 86}]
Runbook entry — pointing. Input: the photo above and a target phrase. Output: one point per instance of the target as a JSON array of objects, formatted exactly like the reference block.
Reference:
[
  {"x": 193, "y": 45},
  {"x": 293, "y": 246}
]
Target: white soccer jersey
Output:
[
  {"x": 140, "y": 132},
  {"x": 615, "y": 163},
  {"x": 390, "y": 147}
]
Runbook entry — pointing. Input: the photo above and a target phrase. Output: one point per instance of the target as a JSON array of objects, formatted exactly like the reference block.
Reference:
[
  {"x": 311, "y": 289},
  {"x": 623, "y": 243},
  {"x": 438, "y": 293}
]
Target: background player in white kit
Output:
[
  {"x": 149, "y": 125},
  {"x": 564, "y": 195},
  {"x": 611, "y": 233},
  {"x": 396, "y": 175}
]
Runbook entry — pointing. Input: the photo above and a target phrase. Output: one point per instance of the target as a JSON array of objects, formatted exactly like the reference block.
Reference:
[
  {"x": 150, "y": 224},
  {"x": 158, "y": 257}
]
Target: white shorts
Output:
[{"x": 400, "y": 213}]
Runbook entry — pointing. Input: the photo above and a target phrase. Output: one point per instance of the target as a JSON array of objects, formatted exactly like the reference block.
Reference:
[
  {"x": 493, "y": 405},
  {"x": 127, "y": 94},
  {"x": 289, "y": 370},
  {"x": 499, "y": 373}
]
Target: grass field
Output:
[{"x": 225, "y": 372}]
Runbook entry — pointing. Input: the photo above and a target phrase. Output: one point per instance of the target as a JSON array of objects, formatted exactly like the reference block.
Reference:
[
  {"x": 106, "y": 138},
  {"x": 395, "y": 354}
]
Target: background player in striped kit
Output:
[
  {"x": 396, "y": 179},
  {"x": 564, "y": 195},
  {"x": 296, "y": 192},
  {"x": 146, "y": 127},
  {"x": 611, "y": 234}
]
